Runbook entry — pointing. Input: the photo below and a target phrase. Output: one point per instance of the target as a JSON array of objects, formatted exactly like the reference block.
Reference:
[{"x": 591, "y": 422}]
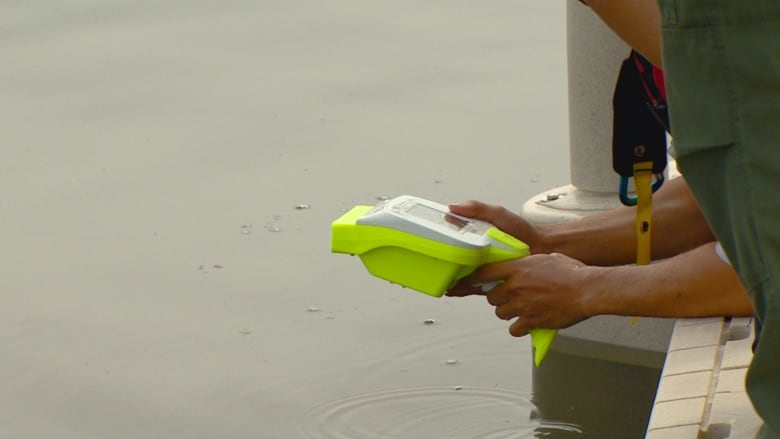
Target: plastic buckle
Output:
[{"x": 628, "y": 200}]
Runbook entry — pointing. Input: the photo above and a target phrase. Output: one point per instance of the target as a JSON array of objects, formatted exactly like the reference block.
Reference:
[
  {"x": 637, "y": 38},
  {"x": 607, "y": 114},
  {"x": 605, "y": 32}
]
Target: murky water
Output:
[
  {"x": 604, "y": 399},
  {"x": 168, "y": 176}
]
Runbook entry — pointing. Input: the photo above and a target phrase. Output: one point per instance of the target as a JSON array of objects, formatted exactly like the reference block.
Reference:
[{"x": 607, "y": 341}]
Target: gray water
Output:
[{"x": 160, "y": 274}]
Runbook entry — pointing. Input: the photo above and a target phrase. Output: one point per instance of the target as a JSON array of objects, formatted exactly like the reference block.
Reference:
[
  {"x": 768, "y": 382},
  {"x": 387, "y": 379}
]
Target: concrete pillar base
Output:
[{"x": 567, "y": 203}]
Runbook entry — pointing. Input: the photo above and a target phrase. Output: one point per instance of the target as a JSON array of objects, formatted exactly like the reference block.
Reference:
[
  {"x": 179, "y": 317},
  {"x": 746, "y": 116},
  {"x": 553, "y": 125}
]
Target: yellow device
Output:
[{"x": 420, "y": 244}]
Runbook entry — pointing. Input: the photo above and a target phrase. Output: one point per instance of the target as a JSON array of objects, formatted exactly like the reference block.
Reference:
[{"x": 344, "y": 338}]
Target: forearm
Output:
[
  {"x": 637, "y": 22},
  {"x": 610, "y": 238},
  {"x": 696, "y": 283}
]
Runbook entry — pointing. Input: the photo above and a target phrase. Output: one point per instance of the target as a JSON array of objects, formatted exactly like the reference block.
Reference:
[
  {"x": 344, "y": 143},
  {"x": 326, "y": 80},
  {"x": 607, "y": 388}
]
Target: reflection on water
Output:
[{"x": 606, "y": 399}]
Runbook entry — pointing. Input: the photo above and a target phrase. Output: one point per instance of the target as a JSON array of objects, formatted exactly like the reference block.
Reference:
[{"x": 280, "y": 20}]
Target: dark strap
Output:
[{"x": 637, "y": 135}]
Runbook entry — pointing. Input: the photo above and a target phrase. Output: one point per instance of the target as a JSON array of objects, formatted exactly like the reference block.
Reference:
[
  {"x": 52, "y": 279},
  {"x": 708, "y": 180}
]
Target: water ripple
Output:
[{"x": 430, "y": 412}]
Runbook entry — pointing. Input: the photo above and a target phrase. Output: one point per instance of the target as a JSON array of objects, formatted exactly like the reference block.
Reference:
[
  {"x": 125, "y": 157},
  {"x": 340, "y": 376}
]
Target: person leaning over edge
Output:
[
  {"x": 722, "y": 65},
  {"x": 721, "y": 61},
  {"x": 578, "y": 269}
]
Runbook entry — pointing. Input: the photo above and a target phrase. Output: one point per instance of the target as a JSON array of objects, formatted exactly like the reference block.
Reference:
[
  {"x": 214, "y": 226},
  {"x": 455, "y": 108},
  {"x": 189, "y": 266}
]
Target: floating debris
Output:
[
  {"x": 273, "y": 228},
  {"x": 451, "y": 362},
  {"x": 302, "y": 207},
  {"x": 246, "y": 229},
  {"x": 458, "y": 388},
  {"x": 382, "y": 198},
  {"x": 430, "y": 322},
  {"x": 313, "y": 309},
  {"x": 217, "y": 266}
]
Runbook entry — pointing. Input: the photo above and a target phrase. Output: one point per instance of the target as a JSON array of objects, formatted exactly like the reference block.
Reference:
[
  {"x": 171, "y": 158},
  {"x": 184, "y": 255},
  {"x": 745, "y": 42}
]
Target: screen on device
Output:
[{"x": 437, "y": 216}]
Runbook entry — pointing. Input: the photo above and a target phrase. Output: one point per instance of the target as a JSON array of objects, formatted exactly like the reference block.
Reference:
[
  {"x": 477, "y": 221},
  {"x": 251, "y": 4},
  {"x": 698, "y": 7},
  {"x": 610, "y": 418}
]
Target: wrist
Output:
[
  {"x": 539, "y": 239},
  {"x": 557, "y": 238},
  {"x": 594, "y": 289}
]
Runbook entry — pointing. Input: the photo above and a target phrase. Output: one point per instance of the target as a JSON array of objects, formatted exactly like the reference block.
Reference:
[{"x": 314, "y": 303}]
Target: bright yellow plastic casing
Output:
[{"x": 424, "y": 264}]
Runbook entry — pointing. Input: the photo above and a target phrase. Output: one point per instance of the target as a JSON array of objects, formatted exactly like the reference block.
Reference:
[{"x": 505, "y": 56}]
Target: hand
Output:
[
  {"x": 501, "y": 218},
  {"x": 504, "y": 220},
  {"x": 540, "y": 291}
]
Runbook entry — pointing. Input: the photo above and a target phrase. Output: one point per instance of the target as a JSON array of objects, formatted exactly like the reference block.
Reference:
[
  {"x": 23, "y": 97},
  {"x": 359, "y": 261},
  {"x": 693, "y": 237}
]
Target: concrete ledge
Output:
[
  {"x": 680, "y": 432},
  {"x": 701, "y": 394},
  {"x": 615, "y": 338},
  {"x": 678, "y": 413}
]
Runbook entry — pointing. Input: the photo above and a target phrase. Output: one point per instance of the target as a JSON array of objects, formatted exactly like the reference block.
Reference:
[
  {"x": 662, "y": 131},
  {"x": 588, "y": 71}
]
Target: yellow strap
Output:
[{"x": 643, "y": 176}]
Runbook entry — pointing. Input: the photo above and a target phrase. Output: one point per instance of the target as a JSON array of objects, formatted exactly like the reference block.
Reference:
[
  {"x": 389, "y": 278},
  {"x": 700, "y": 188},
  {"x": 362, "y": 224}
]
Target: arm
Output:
[
  {"x": 608, "y": 238},
  {"x": 697, "y": 283},
  {"x": 637, "y": 22},
  {"x": 555, "y": 291}
]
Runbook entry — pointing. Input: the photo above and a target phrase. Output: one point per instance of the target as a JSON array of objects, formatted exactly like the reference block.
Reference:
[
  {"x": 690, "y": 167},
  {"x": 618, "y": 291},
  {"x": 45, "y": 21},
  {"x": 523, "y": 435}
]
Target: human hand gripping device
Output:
[{"x": 420, "y": 244}]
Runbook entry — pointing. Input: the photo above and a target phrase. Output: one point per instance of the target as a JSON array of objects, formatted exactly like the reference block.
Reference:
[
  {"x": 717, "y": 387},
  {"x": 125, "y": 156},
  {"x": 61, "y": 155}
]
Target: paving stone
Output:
[
  {"x": 698, "y": 321},
  {"x": 690, "y": 360},
  {"x": 680, "y": 432},
  {"x": 694, "y": 336},
  {"x": 685, "y": 386},
  {"x": 682, "y": 397},
  {"x": 735, "y": 410},
  {"x": 677, "y": 413},
  {"x": 731, "y": 380},
  {"x": 741, "y": 328},
  {"x": 738, "y": 354}
]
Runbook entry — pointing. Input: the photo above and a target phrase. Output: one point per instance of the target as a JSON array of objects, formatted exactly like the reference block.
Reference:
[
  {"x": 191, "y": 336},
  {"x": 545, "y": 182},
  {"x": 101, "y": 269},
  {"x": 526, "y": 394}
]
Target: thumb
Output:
[
  {"x": 468, "y": 208},
  {"x": 479, "y": 210},
  {"x": 498, "y": 216}
]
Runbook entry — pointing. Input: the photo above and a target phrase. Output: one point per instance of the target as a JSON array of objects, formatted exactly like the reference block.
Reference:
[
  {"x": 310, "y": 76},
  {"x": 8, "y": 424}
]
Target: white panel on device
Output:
[{"x": 428, "y": 219}]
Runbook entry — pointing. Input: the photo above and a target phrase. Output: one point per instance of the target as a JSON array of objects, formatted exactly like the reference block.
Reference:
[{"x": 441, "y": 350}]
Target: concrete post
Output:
[{"x": 594, "y": 58}]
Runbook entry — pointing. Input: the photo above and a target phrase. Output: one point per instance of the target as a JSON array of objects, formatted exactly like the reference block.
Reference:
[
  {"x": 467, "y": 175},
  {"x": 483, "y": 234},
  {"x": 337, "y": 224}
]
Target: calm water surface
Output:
[{"x": 159, "y": 277}]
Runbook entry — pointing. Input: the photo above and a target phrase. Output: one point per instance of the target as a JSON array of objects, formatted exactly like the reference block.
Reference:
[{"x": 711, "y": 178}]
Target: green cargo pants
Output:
[{"x": 722, "y": 67}]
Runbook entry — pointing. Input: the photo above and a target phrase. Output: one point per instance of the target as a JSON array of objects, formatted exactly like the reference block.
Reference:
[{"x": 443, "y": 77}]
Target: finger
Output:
[
  {"x": 470, "y": 208},
  {"x": 498, "y": 295},
  {"x": 506, "y": 312},
  {"x": 482, "y": 211},
  {"x": 464, "y": 288},
  {"x": 499, "y": 216},
  {"x": 518, "y": 328},
  {"x": 467, "y": 286},
  {"x": 495, "y": 272}
]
